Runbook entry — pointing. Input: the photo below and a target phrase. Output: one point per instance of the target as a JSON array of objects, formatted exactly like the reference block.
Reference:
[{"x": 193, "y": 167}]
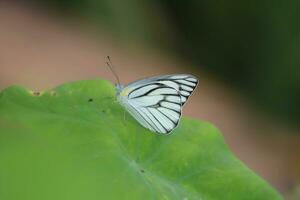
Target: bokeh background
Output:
[{"x": 246, "y": 55}]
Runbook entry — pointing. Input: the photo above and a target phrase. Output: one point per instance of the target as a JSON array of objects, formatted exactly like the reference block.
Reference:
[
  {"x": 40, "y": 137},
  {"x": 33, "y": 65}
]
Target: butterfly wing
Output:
[
  {"x": 156, "y": 102},
  {"x": 183, "y": 83},
  {"x": 155, "y": 106}
]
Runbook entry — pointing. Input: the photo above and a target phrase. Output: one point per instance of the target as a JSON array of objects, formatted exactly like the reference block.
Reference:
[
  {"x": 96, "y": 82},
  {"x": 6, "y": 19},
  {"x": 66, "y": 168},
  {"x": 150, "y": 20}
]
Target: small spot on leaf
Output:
[
  {"x": 36, "y": 93},
  {"x": 90, "y": 100}
]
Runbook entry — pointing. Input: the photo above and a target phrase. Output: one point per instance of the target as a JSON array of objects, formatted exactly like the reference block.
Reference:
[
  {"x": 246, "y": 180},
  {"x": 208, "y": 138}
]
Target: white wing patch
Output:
[
  {"x": 142, "y": 90},
  {"x": 147, "y": 106},
  {"x": 184, "y": 83},
  {"x": 156, "y": 102}
]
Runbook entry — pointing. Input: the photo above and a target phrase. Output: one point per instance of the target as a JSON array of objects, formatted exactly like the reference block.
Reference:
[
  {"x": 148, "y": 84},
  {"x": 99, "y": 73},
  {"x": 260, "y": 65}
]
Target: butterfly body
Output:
[{"x": 156, "y": 102}]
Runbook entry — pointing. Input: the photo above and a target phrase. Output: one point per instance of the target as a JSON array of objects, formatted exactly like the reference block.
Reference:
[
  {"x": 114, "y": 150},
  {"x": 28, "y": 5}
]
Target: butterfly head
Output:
[
  {"x": 119, "y": 88},
  {"x": 121, "y": 91}
]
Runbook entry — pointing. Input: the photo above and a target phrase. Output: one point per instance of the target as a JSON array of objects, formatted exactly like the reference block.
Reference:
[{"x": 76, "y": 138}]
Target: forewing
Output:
[
  {"x": 156, "y": 106},
  {"x": 183, "y": 83}
]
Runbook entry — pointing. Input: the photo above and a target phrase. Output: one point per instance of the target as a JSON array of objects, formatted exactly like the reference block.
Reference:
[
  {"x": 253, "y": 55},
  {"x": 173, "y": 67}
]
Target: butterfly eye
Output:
[{"x": 118, "y": 86}]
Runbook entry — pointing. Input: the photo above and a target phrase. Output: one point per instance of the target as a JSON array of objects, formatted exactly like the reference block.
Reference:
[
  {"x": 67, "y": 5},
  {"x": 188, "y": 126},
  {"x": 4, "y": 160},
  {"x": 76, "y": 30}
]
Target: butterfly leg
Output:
[
  {"x": 137, "y": 147},
  {"x": 124, "y": 116}
]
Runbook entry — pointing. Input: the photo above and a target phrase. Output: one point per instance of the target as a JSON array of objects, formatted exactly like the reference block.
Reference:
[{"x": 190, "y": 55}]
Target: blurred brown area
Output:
[{"x": 39, "y": 51}]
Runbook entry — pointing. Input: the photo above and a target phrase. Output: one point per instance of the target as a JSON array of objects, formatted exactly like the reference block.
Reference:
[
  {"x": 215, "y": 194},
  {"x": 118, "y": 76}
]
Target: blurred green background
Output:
[{"x": 253, "y": 46}]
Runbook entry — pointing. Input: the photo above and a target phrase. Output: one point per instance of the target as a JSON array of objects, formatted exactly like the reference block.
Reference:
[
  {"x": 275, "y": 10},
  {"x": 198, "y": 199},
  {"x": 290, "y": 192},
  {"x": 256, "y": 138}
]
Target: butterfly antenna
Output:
[{"x": 110, "y": 65}]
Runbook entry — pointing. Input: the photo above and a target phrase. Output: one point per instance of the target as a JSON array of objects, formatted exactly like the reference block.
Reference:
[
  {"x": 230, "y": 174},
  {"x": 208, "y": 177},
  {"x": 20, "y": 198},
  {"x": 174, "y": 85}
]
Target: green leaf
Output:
[{"x": 76, "y": 142}]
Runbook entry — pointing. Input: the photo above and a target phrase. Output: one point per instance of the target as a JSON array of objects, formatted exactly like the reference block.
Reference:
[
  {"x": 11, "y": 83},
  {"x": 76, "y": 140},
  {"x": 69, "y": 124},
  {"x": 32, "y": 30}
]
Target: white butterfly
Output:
[{"x": 156, "y": 102}]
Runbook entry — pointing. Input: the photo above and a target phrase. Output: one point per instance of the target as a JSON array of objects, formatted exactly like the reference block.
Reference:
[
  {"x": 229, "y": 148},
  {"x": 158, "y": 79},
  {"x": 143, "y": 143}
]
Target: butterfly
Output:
[{"x": 156, "y": 102}]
